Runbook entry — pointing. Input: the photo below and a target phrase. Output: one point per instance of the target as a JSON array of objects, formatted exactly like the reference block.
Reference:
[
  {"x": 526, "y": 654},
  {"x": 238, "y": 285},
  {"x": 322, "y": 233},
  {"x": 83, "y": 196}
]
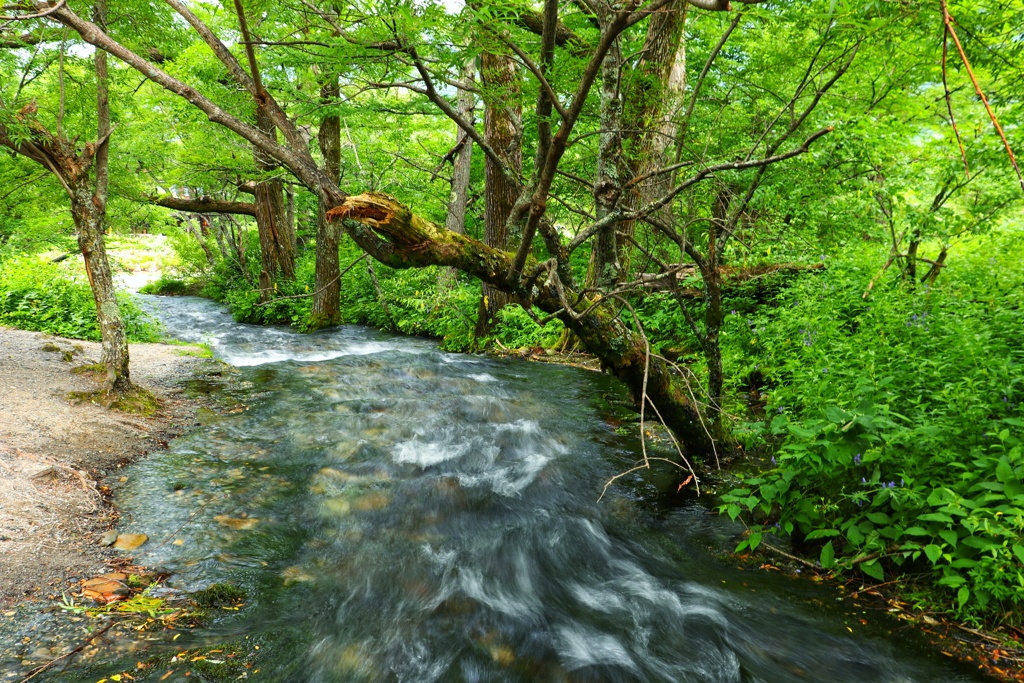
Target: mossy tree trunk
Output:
[
  {"x": 327, "y": 292},
  {"x": 503, "y": 130},
  {"x": 277, "y": 238}
]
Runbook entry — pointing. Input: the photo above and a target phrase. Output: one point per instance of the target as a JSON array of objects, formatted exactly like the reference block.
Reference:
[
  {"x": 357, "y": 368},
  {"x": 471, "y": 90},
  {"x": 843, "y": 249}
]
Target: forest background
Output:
[{"x": 791, "y": 229}]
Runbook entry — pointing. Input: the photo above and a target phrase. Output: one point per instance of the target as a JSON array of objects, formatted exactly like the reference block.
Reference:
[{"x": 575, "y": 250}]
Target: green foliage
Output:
[
  {"x": 516, "y": 329},
  {"x": 166, "y": 285},
  {"x": 36, "y": 294},
  {"x": 897, "y": 420}
]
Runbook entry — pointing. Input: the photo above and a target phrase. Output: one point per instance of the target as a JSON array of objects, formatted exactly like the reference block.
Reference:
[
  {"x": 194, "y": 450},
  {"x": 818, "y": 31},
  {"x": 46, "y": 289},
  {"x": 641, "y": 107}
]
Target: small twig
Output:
[
  {"x": 43, "y": 667},
  {"x": 855, "y": 593},
  {"x": 783, "y": 553}
]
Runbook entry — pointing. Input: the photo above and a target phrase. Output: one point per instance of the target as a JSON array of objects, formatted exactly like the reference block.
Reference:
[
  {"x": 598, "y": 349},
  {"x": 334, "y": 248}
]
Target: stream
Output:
[{"x": 398, "y": 513}]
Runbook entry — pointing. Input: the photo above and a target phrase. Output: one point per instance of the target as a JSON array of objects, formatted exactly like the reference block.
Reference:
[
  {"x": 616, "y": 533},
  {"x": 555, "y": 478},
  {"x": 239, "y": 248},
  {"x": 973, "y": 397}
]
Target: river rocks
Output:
[
  {"x": 106, "y": 588},
  {"x": 130, "y": 541},
  {"x": 295, "y": 575},
  {"x": 107, "y": 539},
  {"x": 371, "y": 501},
  {"x": 338, "y": 507},
  {"x": 236, "y": 523},
  {"x": 337, "y": 475}
]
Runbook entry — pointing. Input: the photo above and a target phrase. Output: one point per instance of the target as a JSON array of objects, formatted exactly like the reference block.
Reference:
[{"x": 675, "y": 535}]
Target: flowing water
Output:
[{"x": 397, "y": 513}]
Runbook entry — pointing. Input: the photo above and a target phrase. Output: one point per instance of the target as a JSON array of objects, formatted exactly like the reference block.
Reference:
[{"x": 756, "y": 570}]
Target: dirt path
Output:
[{"x": 58, "y": 458}]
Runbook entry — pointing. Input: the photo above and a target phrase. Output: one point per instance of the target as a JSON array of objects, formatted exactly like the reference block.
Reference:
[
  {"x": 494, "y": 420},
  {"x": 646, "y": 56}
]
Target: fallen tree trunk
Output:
[{"x": 395, "y": 236}]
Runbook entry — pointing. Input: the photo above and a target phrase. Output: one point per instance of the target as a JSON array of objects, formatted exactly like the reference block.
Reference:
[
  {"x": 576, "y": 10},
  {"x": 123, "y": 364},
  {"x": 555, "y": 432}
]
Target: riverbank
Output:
[{"x": 59, "y": 458}]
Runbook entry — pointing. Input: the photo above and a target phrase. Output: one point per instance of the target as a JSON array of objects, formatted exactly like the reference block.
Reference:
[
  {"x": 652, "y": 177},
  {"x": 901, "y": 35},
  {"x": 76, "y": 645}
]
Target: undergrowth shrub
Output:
[
  {"x": 897, "y": 424},
  {"x": 38, "y": 295}
]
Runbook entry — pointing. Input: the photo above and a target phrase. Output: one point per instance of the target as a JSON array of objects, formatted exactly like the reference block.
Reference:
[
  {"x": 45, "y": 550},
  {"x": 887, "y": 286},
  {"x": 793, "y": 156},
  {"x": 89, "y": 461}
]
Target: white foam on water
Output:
[
  {"x": 508, "y": 481},
  {"x": 483, "y": 377},
  {"x": 579, "y": 647},
  {"x": 598, "y": 599},
  {"x": 518, "y": 604},
  {"x": 426, "y": 454},
  {"x": 243, "y": 359}
]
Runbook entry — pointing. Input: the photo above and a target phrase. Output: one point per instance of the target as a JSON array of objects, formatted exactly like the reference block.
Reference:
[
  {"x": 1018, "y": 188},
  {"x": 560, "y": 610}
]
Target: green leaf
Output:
[
  {"x": 878, "y": 517},
  {"x": 933, "y": 552},
  {"x": 828, "y": 556},
  {"x": 949, "y": 536},
  {"x": 962, "y": 596},
  {"x": 873, "y": 569},
  {"x": 837, "y": 415},
  {"x": 1004, "y": 471}
]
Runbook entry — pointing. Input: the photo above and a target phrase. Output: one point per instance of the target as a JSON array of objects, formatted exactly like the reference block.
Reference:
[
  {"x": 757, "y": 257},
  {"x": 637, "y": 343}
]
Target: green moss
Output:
[
  {"x": 197, "y": 350},
  {"x": 93, "y": 368},
  {"x": 219, "y": 595},
  {"x": 137, "y": 401},
  {"x": 224, "y": 662}
]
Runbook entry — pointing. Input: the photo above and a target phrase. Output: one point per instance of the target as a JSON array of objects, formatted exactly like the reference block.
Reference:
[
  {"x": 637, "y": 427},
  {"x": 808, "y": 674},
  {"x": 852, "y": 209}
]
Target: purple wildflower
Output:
[{"x": 856, "y": 459}]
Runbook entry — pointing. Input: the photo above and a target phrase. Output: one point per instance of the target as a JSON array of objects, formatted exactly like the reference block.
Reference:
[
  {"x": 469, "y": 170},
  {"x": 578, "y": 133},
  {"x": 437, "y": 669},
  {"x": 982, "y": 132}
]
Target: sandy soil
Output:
[{"x": 57, "y": 457}]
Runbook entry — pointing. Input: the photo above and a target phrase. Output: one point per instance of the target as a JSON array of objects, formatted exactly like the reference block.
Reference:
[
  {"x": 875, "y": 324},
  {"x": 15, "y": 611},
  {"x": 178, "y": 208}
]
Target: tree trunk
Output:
[
  {"x": 503, "y": 130},
  {"x": 651, "y": 117},
  {"x": 89, "y": 222},
  {"x": 89, "y": 210},
  {"x": 713, "y": 315},
  {"x": 327, "y": 293},
  {"x": 462, "y": 165},
  {"x": 277, "y": 240},
  {"x": 911, "y": 268},
  {"x": 604, "y": 255}
]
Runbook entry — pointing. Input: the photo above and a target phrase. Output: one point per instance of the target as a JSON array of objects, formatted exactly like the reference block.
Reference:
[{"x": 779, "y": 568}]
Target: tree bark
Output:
[
  {"x": 462, "y": 165},
  {"x": 277, "y": 241},
  {"x": 327, "y": 293},
  {"x": 89, "y": 221},
  {"x": 604, "y": 254},
  {"x": 503, "y": 131},
  {"x": 651, "y": 117}
]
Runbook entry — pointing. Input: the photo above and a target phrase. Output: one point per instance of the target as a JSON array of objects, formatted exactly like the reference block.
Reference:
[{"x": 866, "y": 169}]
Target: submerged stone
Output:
[
  {"x": 237, "y": 523},
  {"x": 130, "y": 541}
]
